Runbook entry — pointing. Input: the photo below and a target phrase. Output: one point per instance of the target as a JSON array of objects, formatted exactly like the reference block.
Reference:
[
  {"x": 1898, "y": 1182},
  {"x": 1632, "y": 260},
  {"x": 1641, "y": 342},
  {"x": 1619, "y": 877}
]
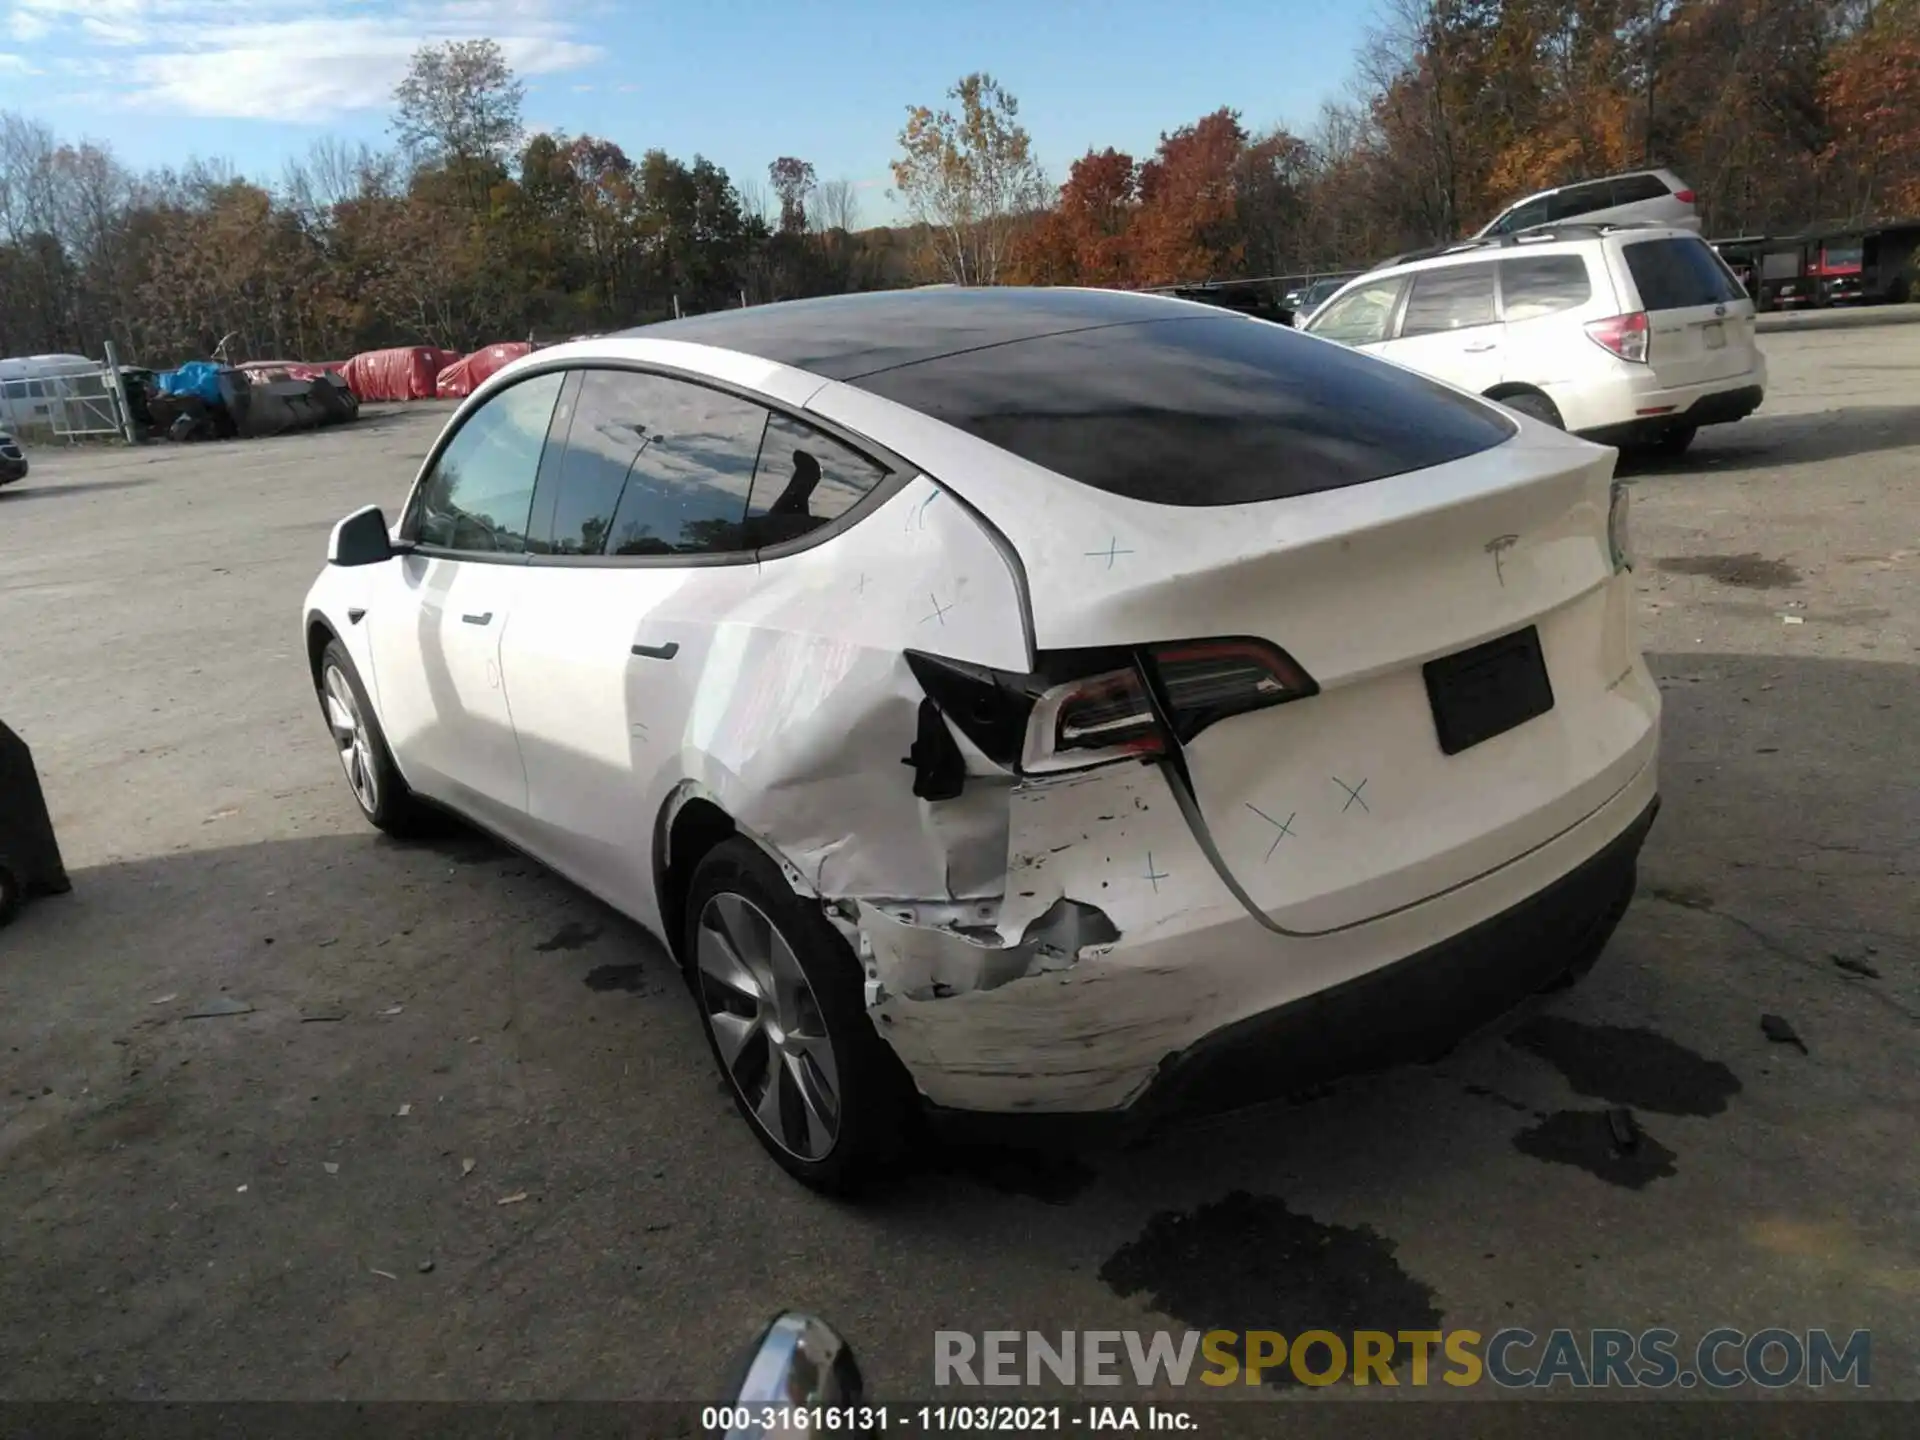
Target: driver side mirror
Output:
[
  {"x": 799, "y": 1360},
  {"x": 361, "y": 539}
]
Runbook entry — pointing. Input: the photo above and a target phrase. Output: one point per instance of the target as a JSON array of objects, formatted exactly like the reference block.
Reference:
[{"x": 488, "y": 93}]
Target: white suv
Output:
[
  {"x": 1633, "y": 336},
  {"x": 1657, "y": 197},
  {"x": 1268, "y": 712}
]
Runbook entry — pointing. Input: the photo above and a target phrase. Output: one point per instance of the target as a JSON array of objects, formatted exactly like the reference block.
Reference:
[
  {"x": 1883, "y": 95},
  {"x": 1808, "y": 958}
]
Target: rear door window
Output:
[
  {"x": 1362, "y": 316},
  {"x": 1213, "y": 410},
  {"x": 1534, "y": 212},
  {"x": 1457, "y": 297},
  {"x": 656, "y": 466},
  {"x": 1679, "y": 274},
  {"x": 804, "y": 480},
  {"x": 1536, "y": 285}
]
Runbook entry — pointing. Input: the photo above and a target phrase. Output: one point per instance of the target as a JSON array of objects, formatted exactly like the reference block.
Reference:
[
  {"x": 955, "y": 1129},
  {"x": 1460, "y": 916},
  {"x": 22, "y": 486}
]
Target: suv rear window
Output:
[
  {"x": 1195, "y": 412},
  {"x": 1631, "y": 189},
  {"x": 1678, "y": 274}
]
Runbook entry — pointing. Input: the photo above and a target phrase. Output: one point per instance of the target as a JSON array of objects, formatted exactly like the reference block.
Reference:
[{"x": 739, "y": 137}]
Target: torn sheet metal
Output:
[
  {"x": 932, "y": 961},
  {"x": 1067, "y": 992}
]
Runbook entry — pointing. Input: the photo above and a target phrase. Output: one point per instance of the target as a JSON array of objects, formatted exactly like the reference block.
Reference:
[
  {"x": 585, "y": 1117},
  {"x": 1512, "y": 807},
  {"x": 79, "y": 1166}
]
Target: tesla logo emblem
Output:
[
  {"x": 1497, "y": 547},
  {"x": 1719, "y": 309}
]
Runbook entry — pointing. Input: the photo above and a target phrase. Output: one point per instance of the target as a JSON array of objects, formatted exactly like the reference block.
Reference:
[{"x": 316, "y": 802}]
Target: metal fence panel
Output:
[{"x": 62, "y": 407}]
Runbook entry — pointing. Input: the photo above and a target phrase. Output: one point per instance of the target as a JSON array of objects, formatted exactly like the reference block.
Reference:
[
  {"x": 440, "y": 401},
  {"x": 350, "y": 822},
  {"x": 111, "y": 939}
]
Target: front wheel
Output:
[
  {"x": 780, "y": 999},
  {"x": 383, "y": 797}
]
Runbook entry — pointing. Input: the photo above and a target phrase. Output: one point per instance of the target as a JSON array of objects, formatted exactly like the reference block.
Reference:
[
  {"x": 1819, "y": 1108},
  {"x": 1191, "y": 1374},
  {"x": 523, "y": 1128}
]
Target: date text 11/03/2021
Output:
[{"x": 860, "y": 1420}]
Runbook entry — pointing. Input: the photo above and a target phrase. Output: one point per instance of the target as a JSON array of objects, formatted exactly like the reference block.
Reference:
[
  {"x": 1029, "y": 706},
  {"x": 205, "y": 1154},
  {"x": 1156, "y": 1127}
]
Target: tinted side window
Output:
[
  {"x": 664, "y": 466},
  {"x": 1577, "y": 200},
  {"x": 804, "y": 480},
  {"x": 1632, "y": 189},
  {"x": 1361, "y": 316},
  {"x": 1543, "y": 284},
  {"x": 1451, "y": 299},
  {"x": 1678, "y": 274},
  {"x": 1534, "y": 212},
  {"x": 481, "y": 490},
  {"x": 1214, "y": 410}
]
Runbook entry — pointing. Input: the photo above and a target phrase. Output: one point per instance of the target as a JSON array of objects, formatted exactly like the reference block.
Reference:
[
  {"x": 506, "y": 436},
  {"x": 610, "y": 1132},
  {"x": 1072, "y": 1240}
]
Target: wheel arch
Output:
[
  {"x": 320, "y": 633},
  {"x": 1509, "y": 389},
  {"x": 691, "y": 822}
]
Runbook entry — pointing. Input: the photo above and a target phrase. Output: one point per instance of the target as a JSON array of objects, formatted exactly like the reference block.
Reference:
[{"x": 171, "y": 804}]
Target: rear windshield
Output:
[
  {"x": 1679, "y": 274},
  {"x": 1203, "y": 411}
]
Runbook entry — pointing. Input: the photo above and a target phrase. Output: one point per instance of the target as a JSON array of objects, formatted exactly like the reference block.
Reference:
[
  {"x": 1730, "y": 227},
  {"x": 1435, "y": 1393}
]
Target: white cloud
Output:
[
  {"x": 11, "y": 64},
  {"x": 292, "y": 59}
]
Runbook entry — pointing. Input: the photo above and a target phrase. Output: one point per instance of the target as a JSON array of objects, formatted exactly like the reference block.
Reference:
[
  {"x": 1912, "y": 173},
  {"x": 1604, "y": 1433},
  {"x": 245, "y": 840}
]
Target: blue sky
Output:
[{"x": 740, "y": 81}]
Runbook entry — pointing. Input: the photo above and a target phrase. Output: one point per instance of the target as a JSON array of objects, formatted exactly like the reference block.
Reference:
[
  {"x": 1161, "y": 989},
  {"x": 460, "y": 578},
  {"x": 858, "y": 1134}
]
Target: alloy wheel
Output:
[
  {"x": 350, "y": 737},
  {"x": 767, "y": 1025}
]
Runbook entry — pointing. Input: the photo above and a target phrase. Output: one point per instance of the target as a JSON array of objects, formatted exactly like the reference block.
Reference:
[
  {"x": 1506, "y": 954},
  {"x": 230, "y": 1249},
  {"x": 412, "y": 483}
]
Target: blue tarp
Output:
[{"x": 196, "y": 377}]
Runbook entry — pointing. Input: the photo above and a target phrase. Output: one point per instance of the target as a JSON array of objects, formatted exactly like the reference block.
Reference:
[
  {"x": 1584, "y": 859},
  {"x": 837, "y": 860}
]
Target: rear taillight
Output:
[
  {"x": 1624, "y": 335},
  {"x": 1684, "y": 196},
  {"x": 1204, "y": 681},
  {"x": 1089, "y": 707},
  {"x": 1084, "y": 722}
]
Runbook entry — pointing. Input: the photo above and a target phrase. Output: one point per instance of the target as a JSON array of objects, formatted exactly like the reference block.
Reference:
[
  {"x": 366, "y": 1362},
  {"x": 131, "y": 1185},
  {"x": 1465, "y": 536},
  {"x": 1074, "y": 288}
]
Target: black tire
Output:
[
  {"x": 775, "y": 1062},
  {"x": 1674, "y": 442},
  {"x": 387, "y": 802},
  {"x": 1535, "y": 406}
]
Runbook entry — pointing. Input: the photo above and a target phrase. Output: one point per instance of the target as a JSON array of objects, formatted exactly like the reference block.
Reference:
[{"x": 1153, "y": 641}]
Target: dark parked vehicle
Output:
[{"x": 13, "y": 460}]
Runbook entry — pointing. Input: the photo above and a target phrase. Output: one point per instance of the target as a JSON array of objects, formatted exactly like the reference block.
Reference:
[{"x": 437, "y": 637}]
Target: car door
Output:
[
  {"x": 1450, "y": 326},
  {"x": 643, "y": 637},
  {"x": 1540, "y": 297},
  {"x": 437, "y": 621}
]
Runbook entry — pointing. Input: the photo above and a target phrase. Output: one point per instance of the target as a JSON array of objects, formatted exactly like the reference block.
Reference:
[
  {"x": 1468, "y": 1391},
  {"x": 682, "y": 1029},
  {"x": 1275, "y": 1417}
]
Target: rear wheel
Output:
[
  {"x": 780, "y": 1000},
  {"x": 1535, "y": 406},
  {"x": 1674, "y": 442}
]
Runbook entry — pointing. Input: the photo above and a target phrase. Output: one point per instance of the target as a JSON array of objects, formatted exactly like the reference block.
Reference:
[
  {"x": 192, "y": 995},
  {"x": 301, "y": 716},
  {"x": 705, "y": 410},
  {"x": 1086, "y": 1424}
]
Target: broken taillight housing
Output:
[
  {"x": 1089, "y": 707},
  {"x": 1625, "y": 335}
]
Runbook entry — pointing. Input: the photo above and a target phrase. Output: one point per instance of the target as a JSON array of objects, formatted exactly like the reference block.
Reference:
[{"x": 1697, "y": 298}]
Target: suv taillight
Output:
[
  {"x": 1089, "y": 707},
  {"x": 1685, "y": 197},
  {"x": 1624, "y": 335}
]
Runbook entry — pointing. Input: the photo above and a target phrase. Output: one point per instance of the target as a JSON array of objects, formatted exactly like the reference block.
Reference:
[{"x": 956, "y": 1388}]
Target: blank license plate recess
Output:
[{"x": 1488, "y": 690}]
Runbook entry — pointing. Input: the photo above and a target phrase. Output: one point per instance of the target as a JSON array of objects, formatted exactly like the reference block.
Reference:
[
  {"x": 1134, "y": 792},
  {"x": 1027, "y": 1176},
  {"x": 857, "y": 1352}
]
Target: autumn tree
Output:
[
  {"x": 1187, "y": 227},
  {"x": 970, "y": 178},
  {"x": 459, "y": 101},
  {"x": 1085, "y": 238},
  {"x": 1873, "y": 101},
  {"x": 793, "y": 181}
]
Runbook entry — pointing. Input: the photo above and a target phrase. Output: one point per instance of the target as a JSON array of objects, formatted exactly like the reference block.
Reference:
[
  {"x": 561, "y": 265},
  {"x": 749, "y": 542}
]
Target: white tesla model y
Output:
[{"x": 1057, "y": 704}]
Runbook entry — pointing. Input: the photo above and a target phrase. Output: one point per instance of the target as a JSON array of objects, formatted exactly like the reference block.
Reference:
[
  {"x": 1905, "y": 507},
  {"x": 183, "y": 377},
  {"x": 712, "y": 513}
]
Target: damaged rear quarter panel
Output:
[
  {"x": 804, "y": 707},
  {"x": 1098, "y": 864}
]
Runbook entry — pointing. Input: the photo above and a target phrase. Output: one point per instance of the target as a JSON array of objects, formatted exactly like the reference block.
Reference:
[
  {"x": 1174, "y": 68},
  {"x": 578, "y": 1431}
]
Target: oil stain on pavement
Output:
[
  {"x": 570, "y": 936},
  {"x": 1748, "y": 572},
  {"x": 1248, "y": 1262},
  {"x": 630, "y": 978},
  {"x": 1629, "y": 1066},
  {"x": 1590, "y": 1140}
]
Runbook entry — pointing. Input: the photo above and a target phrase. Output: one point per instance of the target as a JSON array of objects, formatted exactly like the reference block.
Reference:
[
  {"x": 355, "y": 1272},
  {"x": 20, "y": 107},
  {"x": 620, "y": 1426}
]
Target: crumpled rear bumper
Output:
[{"x": 1215, "y": 1010}]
